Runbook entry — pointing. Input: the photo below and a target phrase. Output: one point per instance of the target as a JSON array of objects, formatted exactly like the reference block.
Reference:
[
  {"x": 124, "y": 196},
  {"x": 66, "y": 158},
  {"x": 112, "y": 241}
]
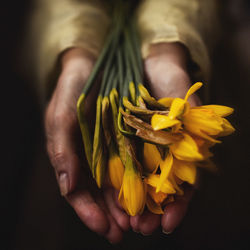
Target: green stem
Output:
[{"x": 110, "y": 80}]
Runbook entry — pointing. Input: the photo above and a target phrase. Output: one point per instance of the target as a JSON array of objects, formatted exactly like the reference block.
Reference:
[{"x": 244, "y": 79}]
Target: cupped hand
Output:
[
  {"x": 97, "y": 209},
  {"x": 167, "y": 74}
]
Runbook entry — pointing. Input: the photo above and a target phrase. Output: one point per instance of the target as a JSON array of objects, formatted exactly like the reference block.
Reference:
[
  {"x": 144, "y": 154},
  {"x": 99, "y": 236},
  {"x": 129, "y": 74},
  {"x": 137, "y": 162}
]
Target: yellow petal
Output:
[
  {"x": 166, "y": 101},
  {"x": 132, "y": 194},
  {"x": 132, "y": 92},
  {"x": 227, "y": 128},
  {"x": 151, "y": 101},
  {"x": 186, "y": 149},
  {"x": 151, "y": 157},
  {"x": 153, "y": 207},
  {"x": 218, "y": 109},
  {"x": 203, "y": 122},
  {"x": 162, "y": 121},
  {"x": 116, "y": 171},
  {"x": 186, "y": 171},
  {"x": 166, "y": 167},
  {"x": 85, "y": 131},
  {"x": 153, "y": 180},
  {"x": 193, "y": 89},
  {"x": 177, "y": 108},
  {"x": 157, "y": 197},
  {"x": 100, "y": 168},
  {"x": 172, "y": 178}
]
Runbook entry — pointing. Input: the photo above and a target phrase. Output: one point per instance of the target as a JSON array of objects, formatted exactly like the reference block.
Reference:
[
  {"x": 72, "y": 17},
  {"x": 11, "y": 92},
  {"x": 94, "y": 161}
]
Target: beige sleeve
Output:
[
  {"x": 61, "y": 24},
  {"x": 190, "y": 22}
]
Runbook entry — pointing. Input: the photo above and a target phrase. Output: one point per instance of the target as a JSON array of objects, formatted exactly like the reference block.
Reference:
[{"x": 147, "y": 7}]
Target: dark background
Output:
[{"x": 34, "y": 216}]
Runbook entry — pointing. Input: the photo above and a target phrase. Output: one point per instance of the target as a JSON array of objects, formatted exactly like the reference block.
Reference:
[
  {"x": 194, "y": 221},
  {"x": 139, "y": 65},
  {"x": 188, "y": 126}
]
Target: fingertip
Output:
[
  {"x": 89, "y": 212},
  {"x": 114, "y": 235},
  {"x": 149, "y": 222},
  {"x": 118, "y": 213},
  {"x": 67, "y": 174},
  {"x": 134, "y": 223},
  {"x": 173, "y": 214}
]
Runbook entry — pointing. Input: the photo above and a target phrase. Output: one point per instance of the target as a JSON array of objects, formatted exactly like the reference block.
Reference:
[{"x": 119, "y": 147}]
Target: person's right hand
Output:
[{"x": 97, "y": 209}]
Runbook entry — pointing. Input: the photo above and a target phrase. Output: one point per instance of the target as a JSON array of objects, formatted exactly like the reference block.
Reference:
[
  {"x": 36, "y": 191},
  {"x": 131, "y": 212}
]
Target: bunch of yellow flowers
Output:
[
  {"x": 186, "y": 134},
  {"x": 146, "y": 148}
]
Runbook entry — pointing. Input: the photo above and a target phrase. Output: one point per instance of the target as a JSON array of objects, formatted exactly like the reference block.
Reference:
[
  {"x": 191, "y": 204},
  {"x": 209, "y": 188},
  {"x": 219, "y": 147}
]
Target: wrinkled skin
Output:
[{"x": 99, "y": 210}]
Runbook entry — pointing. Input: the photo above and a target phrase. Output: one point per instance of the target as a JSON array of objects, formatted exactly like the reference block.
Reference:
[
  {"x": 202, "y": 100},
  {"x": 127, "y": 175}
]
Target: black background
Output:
[{"x": 34, "y": 216}]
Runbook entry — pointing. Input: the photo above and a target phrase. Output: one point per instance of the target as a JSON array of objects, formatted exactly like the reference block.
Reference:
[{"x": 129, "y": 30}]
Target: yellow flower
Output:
[
  {"x": 116, "y": 171},
  {"x": 185, "y": 171},
  {"x": 155, "y": 199},
  {"x": 186, "y": 149},
  {"x": 177, "y": 109},
  {"x": 152, "y": 206},
  {"x": 205, "y": 121},
  {"x": 151, "y": 157},
  {"x": 132, "y": 194},
  {"x": 166, "y": 167},
  {"x": 166, "y": 187}
]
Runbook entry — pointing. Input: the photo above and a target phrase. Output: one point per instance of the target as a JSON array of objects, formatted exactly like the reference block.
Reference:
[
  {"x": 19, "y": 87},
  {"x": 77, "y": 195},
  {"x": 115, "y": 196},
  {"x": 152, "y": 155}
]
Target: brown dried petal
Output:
[{"x": 146, "y": 132}]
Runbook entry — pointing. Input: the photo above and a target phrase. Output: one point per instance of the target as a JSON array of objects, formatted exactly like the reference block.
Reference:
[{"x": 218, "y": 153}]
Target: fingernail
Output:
[
  {"x": 136, "y": 231},
  {"x": 64, "y": 183},
  {"x": 145, "y": 234},
  {"x": 166, "y": 232}
]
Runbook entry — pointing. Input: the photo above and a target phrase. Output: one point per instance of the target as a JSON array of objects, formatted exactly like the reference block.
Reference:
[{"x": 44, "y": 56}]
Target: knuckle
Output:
[
  {"x": 58, "y": 159},
  {"x": 64, "y": 118}
]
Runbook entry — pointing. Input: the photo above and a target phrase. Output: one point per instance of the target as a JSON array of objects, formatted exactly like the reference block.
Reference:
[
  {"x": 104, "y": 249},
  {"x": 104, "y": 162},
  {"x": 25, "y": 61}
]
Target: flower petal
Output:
[
  {"x": 186, "y": 171},
  {"x": 166, "y": 167},
  {"x": 133, "y": 191},
  {"x": 193, "y": 89},
  {"x": 151, "y": 157},
  {"x": 166, "y": 101},
  {"x": 186, "y": 149},
  {"x": 153, "y": 180},
  {"x": 162, "y": 121},
  {"x": 177, "y": 108},
  {"x": 153, "y": 206},
  {"x": 227, "y": 128},
  {"x": 116, "y": 171},
  {"x": 218, "y": 109},
  {"x": 179, "y": 190}
]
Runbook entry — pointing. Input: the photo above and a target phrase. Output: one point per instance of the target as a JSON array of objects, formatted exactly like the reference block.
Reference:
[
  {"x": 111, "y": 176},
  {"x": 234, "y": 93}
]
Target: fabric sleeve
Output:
[
  {"x": 58, "y": 25},
  {"x": 190, "y": 22}
]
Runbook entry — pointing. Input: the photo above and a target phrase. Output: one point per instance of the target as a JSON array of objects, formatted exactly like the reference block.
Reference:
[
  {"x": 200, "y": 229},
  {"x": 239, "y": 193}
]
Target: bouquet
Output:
[{"x": 147, "y": 148}]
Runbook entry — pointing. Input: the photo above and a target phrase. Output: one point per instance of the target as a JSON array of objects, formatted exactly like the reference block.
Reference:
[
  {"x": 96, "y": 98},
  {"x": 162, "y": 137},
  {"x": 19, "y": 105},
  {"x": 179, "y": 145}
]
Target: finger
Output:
[
  {"x": 89, "y": 211},
  {"x": 174, "y": 212},
  {"x": 114, "y": 233},
  {"x": 146, "y": 223},
  {"x": 61, "y": 138},
  {"x": 117, "y": 213},
  {"x": 149, "y": 222},
  {"x": 62, "y": 128},
  {"x": 134, "y": 222}
]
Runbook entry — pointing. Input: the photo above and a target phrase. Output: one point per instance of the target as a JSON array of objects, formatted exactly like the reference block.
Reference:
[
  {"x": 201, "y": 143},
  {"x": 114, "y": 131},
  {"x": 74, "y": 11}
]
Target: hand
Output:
[
  {"x": 166, "y": 70},
  {"x": 96, "y": 208}
]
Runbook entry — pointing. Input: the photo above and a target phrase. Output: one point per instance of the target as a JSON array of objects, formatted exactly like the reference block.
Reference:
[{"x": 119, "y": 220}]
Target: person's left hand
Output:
[{"x": 166, "y": 70}]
